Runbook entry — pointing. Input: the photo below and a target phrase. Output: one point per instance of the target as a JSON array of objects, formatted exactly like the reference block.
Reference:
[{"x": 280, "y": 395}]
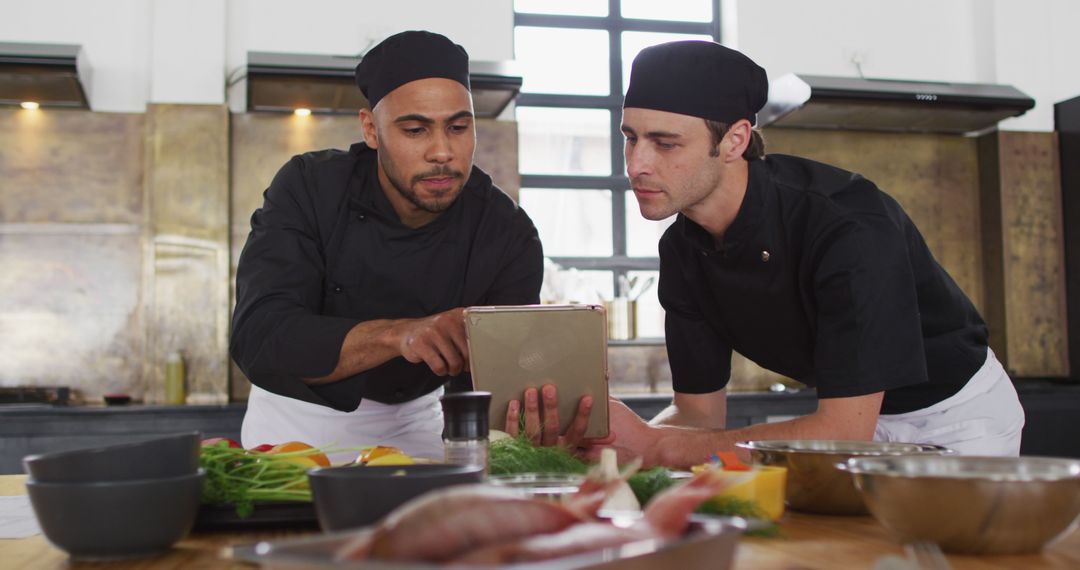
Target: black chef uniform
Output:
[
  {"x": 327, "y": 251},
  {"x": 823, "y": 278}
]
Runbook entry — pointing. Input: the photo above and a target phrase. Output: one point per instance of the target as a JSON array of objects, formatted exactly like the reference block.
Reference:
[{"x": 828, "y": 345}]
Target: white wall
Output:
[
  {"x": 1030, "y": 44},
  {"x": 114, "y": 33},
  {"x": 1038, "y": 51},
  {"x": 180, "y": 51},
  {"x": 187, "y": 47},
  {"x": 347, "y": 27}
]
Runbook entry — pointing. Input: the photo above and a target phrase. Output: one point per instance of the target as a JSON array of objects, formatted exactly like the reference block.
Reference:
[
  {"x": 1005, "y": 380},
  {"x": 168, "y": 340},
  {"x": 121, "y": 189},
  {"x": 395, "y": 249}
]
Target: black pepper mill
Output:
[{"x": 465, "y": 428}]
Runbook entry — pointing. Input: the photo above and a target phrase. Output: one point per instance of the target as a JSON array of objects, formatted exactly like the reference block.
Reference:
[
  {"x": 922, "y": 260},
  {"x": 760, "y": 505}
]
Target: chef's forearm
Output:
[
  {"x": 705, "y": 411},
  {"x": 682, "y": 447},
  {"x": 367, "y": 345}
]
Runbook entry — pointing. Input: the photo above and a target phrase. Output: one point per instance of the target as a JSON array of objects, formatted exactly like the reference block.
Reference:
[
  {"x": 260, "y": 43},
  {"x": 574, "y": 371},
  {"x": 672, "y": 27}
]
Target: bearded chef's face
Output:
[{"x": 425, "y": 135}]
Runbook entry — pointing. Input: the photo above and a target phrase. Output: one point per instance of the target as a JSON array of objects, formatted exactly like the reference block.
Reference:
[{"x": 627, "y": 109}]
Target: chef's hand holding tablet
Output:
[{"x": 542, "y": 427}]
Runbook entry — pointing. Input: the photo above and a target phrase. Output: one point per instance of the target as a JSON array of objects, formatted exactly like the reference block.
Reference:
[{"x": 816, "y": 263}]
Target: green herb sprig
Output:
[
  {"x": 519, "y": 455},
  {"x": 516, "y": 455},
  {"x": 240, "y": 477}
]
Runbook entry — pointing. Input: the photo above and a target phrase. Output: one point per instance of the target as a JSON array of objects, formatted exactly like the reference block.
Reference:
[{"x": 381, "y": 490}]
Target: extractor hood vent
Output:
[
  {"x": 818, "y": 102},
  {"x": 51, "y": 75},
  {"x": 324, "y": 84}
]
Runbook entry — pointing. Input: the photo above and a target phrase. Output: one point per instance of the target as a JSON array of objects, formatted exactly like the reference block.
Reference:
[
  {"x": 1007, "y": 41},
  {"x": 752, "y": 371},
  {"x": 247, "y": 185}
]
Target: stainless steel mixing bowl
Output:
[
  {"x": 972, "y": 505},
  {"x": 814, "y": 484}
]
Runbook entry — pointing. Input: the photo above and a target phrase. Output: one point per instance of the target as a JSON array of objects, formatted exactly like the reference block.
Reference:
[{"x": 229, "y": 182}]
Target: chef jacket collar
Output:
[{"x": 747, "y": 222}]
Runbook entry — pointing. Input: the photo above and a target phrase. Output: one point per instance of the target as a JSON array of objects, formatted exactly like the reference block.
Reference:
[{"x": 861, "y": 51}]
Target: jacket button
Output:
[
  {"x": 360, "y": 216},
  {"x": 337, "y": 288}
]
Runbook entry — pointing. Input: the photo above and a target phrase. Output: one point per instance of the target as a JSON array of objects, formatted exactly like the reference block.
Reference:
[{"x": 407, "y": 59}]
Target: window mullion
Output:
[{"x": 619, "y": 263}]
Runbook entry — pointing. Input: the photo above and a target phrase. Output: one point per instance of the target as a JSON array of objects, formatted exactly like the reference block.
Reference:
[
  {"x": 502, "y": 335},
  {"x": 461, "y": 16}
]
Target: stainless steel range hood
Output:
[
  {"x": 324, "y": 84},
  {"x": 818, "y": 102},
  {"x": 51, "y": 75}
]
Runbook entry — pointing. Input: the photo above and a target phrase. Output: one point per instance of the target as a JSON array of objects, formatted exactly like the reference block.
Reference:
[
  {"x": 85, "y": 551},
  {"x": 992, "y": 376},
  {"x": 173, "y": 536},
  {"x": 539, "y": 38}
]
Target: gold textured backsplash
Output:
[
  {"x": 992, "y": 218},
  {"x": 934, "y": 177},
  {"x": 187, "y": 247},
  {"x": 1024, "y": 245},
  {"x": 71, "y": 223},
  {"x": 119, "y": 235}
]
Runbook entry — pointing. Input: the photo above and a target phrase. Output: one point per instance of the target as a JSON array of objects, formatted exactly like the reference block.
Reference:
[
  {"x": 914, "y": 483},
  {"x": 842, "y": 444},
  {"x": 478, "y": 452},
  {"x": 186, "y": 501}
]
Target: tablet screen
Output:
[{"x": 517, "y": 347}]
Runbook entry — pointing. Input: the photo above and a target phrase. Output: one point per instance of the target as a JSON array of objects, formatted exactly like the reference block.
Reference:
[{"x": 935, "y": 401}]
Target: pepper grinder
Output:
[{"x": 465, "y": 428}]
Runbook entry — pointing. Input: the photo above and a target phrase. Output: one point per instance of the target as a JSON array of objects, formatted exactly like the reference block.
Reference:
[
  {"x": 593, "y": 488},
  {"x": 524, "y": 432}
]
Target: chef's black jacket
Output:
[
  {"x": 821, "y": 277},
  {"x": 327, "y": 251}
]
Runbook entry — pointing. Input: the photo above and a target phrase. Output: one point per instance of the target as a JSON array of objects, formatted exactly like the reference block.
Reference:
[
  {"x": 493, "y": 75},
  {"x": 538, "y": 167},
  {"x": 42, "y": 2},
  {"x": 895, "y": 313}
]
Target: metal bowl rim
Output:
[
  {"x": 539, "y": 478},
  {"x": 775, "y": 446},
  {"x": 67, "y": 454},
  {"x": 413, "y": 471},
  {"x": 853, "y": 466}
]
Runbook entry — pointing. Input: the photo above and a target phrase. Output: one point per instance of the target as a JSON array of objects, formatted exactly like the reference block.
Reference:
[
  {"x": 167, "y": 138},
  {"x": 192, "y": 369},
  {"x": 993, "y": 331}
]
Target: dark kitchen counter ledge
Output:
[{"x": 1051, "y": 407}]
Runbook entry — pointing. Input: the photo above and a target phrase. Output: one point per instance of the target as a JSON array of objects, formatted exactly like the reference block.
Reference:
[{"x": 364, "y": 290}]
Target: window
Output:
[{"x": 575, "y": 56}]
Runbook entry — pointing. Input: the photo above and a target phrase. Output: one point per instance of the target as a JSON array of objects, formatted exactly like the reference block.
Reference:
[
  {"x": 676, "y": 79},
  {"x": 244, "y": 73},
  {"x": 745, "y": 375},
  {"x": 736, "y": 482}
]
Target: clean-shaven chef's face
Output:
[
  {"x": 670, "y": 161},
  {"x": 425, "y": 135}
]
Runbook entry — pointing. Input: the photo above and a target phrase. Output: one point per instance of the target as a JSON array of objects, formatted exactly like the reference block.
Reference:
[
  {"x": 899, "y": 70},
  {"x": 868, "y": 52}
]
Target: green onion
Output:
[{"x": 240, "y": 477}]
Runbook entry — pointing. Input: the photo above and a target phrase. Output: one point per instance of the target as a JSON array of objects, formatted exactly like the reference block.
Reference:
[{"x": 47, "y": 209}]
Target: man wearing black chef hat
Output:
[
  {"x": 351, "y": 285},
  {"x": 806, "y": 269}
]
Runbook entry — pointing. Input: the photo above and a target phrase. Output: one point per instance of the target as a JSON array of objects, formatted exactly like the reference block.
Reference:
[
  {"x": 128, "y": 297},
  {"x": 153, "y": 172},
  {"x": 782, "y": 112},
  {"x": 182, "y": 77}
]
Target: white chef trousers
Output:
[
  {"x": 983, "y": 418},
  {"x": 415, "y": 427}
]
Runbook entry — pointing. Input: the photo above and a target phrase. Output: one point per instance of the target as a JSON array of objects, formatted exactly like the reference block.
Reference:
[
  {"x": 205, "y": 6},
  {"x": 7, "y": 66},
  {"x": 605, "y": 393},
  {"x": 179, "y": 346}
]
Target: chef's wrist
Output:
[
  {"x": 668, "y": 448},
  {"x": 680, "y": 448}
]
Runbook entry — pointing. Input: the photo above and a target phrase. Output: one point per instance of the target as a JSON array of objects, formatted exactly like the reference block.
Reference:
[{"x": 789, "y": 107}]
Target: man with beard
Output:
[
  {"x": 807, "y": 269},
  {"x": 351, "y": 285}
]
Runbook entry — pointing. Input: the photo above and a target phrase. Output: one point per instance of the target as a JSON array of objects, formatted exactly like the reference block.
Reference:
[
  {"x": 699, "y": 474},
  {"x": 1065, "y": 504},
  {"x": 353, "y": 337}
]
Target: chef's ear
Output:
[
  {"x": 739, "y": 136},
  {"x": 367, "y": 125}
]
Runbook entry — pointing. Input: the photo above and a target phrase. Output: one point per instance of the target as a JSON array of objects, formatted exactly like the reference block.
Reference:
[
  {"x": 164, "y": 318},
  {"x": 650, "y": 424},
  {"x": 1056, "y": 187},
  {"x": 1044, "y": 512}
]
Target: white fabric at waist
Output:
[
  {"x": 984, "y": 379},
  {"x": 414, "y": 426}
]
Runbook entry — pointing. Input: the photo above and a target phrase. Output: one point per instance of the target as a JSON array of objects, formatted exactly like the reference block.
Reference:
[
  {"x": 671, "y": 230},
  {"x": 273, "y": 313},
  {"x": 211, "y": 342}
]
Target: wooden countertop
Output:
[{"x": 809, "y": 542}]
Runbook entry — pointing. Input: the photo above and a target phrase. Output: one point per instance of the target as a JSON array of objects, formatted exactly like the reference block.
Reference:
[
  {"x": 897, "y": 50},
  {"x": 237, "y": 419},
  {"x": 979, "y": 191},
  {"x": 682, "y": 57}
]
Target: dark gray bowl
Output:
[
  {"x": 160, "y": 457},
  {"x": 124, "y": 519},
  {"x": 352, "y": 497}
]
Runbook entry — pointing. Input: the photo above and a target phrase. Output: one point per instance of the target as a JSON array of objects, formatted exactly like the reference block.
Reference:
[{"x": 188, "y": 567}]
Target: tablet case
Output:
[{"x": 512, "y": 348}]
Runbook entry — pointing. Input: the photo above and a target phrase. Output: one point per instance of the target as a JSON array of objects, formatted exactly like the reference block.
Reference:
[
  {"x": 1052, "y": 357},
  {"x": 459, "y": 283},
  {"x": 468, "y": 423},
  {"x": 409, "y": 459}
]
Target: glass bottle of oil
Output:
[{"x": 175, "y": 390}]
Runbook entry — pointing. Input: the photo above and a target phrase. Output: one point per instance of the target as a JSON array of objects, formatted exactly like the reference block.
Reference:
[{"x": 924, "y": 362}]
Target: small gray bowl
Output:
[
  {"x": 156, "y": 458},
  {"x": 355, "y": 496},
  {"x": 116, "y": 520},
  {"x": 972, "y": 505}
]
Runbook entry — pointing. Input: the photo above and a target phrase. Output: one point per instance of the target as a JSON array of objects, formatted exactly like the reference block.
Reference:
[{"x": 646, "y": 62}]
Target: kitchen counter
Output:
[
  {"x": 809, "y": 542},
  {"x": 1051, "y": 408}
]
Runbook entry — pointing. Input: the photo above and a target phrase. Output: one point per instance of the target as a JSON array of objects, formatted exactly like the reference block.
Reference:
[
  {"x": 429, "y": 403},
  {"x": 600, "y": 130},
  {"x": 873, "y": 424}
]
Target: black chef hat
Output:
[
  {"x": 409, "y": 56},
  {"x": 700, "y": 79}
]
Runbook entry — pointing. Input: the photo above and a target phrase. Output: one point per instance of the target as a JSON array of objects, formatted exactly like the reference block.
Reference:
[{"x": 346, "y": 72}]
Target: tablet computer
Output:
[{"x": 512, "y": 348}]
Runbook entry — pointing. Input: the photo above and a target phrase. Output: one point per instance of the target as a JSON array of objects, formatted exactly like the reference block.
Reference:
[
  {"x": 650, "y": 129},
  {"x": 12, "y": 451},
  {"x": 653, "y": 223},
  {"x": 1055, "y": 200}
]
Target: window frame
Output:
[{"x": 619, "y": 263}]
